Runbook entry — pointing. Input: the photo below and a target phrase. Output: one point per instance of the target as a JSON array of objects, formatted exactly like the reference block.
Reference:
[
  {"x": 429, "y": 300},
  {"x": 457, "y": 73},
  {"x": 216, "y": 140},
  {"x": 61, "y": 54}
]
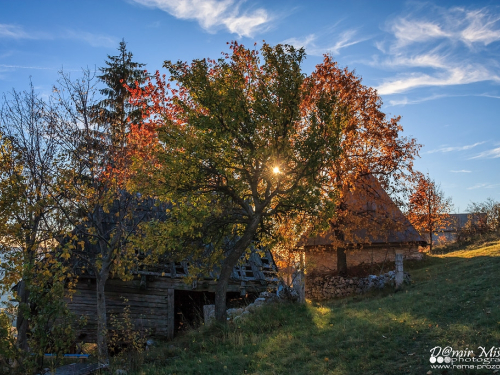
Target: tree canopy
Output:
[
  {"x": 239, "y": 143},
  {"x": 428, "y": 208}
]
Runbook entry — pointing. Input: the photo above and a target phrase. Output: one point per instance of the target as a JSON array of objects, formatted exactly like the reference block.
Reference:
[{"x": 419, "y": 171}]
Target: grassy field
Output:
[{"x": 453, "y": 301}]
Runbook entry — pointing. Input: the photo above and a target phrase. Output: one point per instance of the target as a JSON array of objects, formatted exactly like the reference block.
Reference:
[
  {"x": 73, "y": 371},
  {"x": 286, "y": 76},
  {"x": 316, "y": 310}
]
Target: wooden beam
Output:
[{"x": 170, "y": 314}]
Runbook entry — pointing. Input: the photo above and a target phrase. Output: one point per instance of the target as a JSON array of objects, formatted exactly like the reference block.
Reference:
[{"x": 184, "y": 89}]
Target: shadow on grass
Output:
[{"x": 453, "y": 301}]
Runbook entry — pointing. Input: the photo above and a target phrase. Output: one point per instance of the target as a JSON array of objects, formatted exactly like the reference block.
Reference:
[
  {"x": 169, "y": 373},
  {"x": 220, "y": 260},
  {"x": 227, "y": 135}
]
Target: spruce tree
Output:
[{"x": 115, "y": 112}]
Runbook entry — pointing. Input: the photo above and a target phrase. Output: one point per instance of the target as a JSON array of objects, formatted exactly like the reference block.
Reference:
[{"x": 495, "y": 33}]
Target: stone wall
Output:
[
  {"x": 327, "y": 287},
  {"x": 321, "y": 260}
]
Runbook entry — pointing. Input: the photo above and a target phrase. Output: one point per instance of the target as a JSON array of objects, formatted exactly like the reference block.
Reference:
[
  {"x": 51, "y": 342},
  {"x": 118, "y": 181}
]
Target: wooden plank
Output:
[
  {"x": 78, "y": 369},
  {"x": 170, "y": 314}
]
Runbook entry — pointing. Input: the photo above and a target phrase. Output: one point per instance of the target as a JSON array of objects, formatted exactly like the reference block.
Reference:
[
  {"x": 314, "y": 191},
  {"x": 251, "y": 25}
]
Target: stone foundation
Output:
[
  {"x": 323, "y": 260},
  {"x": 327, "y": 287}
]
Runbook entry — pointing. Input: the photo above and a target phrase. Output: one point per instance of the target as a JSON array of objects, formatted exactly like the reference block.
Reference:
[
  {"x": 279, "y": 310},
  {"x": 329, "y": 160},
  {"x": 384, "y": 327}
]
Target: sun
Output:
[{"x": 276, "y": 170}]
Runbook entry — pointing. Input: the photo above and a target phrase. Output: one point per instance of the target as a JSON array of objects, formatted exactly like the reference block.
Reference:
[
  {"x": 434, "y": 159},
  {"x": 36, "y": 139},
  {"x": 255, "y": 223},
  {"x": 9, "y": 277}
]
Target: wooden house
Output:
[
  {"x": 373, "y": 231},
  {"x": 160, "y": 301}
]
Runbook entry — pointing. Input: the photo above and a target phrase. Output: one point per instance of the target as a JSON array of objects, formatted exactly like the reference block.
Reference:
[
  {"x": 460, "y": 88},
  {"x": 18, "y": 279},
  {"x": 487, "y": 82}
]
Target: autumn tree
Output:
[
  {"x": 91, "y": 192},
  {"x": 237, "y": 142},
  {"x": 428, "y": 208},
  {"x": 375, "y": 167},
  {"x": 487, "y": 212},
  {"x": 31, "y": 224}
]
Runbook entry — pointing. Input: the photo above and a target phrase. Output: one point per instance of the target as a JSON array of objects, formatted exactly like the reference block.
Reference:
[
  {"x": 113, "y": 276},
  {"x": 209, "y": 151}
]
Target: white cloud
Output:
[
  {"x": 441, "y": 47},
  {"x": 490, "y": 154},
  {"x": 345, "y": 39},
  {"x": 483, "y": 186},
  {"x": 23, "y": 67},
  {"x": 456, "y": 24},
  {"x": 455, "y": 148},
  {"x": 410, "y": 31},
  {"x": 406, "y": 101},
  {"x": 458, "y": 75},
  {"x": 432, "y": 60},
  {"x": 95, "y": 40},
  {"x": 481, "y": 28},
  {"x": 461, "y": 171},
  {"x": 305, "y": 42},
  {"x": 212, "y": 14},
  {"x": 14, "y": 31}
]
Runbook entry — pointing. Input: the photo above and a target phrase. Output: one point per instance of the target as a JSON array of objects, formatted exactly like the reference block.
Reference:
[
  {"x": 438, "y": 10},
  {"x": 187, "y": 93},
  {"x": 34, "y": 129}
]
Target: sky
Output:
[{"x": 435, "y": 64}]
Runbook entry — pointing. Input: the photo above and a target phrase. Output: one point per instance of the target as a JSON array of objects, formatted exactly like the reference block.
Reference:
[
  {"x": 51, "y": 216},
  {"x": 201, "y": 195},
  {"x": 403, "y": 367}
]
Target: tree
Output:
[
  {"x": 239, "y": 143},
  {"x": 428, "y": 208},
  {"x": 375, "y": 165},
  {"x": 115, "y": 112},
  {"x": 91, "y": 192},
  {"x": 31, "y": 224},
  {"x": 490, "y": 211}
]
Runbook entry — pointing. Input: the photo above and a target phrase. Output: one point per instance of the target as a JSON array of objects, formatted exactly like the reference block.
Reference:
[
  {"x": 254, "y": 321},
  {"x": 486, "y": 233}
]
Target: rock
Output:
[
  {"x": 250, "y": 308},
  {"x": 208, "y": 314},
  {"x": 120, "y": 372}
]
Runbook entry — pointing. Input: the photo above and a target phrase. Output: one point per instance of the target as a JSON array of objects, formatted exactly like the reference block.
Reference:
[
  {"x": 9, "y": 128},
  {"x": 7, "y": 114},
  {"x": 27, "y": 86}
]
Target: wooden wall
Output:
[{"x": 149, "y": 306}]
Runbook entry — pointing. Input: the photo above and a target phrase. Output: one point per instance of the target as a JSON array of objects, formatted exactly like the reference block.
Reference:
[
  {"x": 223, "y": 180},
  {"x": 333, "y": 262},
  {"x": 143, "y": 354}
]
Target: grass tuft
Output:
[{"x": 453, "y": 301}]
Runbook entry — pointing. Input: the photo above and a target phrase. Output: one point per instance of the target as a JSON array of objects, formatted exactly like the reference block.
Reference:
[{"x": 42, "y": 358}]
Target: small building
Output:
[
  {"x": 454, "y": 224},
  {"x": 373, "y": 232},
  {"x": 160, "y": 300}
]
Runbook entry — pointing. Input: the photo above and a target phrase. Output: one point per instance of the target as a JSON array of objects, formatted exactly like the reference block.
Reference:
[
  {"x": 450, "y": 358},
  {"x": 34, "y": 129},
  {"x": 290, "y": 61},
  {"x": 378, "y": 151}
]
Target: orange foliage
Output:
[{"x": 428, "y": 208}]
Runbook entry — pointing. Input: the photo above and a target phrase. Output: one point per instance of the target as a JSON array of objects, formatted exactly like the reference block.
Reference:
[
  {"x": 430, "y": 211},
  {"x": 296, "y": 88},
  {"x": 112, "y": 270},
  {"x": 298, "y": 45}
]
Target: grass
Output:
[{"x": 453, "y": 301}]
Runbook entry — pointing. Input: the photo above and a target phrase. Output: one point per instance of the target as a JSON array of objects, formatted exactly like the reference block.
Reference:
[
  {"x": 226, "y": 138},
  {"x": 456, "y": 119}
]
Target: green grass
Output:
[{"x": 453, "y": 301}]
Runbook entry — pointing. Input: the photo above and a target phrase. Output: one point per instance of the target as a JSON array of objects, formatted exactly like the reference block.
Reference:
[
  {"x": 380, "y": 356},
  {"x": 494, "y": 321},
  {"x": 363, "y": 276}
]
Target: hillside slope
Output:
[{"x": 453, "y": 301}]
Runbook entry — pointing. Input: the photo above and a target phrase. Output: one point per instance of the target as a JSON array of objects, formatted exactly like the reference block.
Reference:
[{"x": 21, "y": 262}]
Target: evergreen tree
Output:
[{"x": 115, "y": 111}]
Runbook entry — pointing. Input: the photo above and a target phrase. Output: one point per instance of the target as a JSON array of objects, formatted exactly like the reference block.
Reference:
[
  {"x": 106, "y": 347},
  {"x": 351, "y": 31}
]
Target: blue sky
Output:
[{"x": 434, "y": 63}]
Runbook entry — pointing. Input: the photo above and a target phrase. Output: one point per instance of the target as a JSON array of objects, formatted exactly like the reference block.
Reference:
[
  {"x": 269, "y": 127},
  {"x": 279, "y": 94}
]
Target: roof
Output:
[{"x": 373, "y": 219}]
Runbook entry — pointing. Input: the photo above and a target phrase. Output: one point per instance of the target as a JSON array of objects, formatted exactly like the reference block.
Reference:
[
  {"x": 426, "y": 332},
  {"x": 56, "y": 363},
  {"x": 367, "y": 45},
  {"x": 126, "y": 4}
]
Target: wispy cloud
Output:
[
  {"x": 483, "y": 186},
  {"x": 455, "y": 148},
  {"x": 24, "y": 67},
  {"x": 313, "y": 47},
  {"x": 441, "y": 47},
  {"x": 14, "y": 32},
  {"x": 406, "y": 101},
  {"x": 305, "y": 42},
  {"x": 461, "y": 171},
  {"x": 408, "y": 31},
  {"x": 490, "y": 154},
  {"x": 346, "y": 39},
  {"x": 469, "y": 26},
  {"x": 95, "y": 40},
  {"x": 212, "y": 14},
  {"x": 458, "y": 75},
  {"x": 483, "y": 27}
]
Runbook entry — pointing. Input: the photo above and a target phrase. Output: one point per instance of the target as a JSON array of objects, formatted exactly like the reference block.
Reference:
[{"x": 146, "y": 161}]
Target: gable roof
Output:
[{"x": 373, "y": 218}]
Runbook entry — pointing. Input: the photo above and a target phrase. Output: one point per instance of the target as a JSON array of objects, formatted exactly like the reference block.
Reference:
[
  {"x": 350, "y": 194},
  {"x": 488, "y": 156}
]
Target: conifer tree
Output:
[{"x": 115, "y": 111}]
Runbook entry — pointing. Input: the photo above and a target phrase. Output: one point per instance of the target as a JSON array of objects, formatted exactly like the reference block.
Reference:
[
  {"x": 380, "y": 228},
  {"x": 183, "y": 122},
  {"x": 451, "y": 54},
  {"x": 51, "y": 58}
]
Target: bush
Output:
[{"x": 8, "y": 351}]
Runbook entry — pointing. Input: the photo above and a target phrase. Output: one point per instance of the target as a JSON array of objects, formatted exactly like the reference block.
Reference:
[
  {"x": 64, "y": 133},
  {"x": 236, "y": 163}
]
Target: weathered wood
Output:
[
  {"x": 78, "y": 369},
  {"x": 170, "y": 314},
  {"x": 399, "y": 269}
]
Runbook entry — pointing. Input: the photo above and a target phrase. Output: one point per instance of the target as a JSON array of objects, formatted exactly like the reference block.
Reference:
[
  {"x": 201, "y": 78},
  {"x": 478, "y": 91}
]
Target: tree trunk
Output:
[
  {"x": 228, "y": 265},
  {"x": 341, "y": 261},
  {"x": 102, "y": 327},
  {"x": 22, "y": 318}
]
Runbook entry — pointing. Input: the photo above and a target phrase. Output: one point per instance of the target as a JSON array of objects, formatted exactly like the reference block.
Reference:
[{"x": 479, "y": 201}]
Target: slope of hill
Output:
[{"x": 453, "y": 301}]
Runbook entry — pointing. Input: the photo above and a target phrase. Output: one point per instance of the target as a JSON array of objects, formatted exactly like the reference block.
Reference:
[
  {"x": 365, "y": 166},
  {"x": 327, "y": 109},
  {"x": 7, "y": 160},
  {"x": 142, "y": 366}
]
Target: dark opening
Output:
[{"x": 189, "y": 306}]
